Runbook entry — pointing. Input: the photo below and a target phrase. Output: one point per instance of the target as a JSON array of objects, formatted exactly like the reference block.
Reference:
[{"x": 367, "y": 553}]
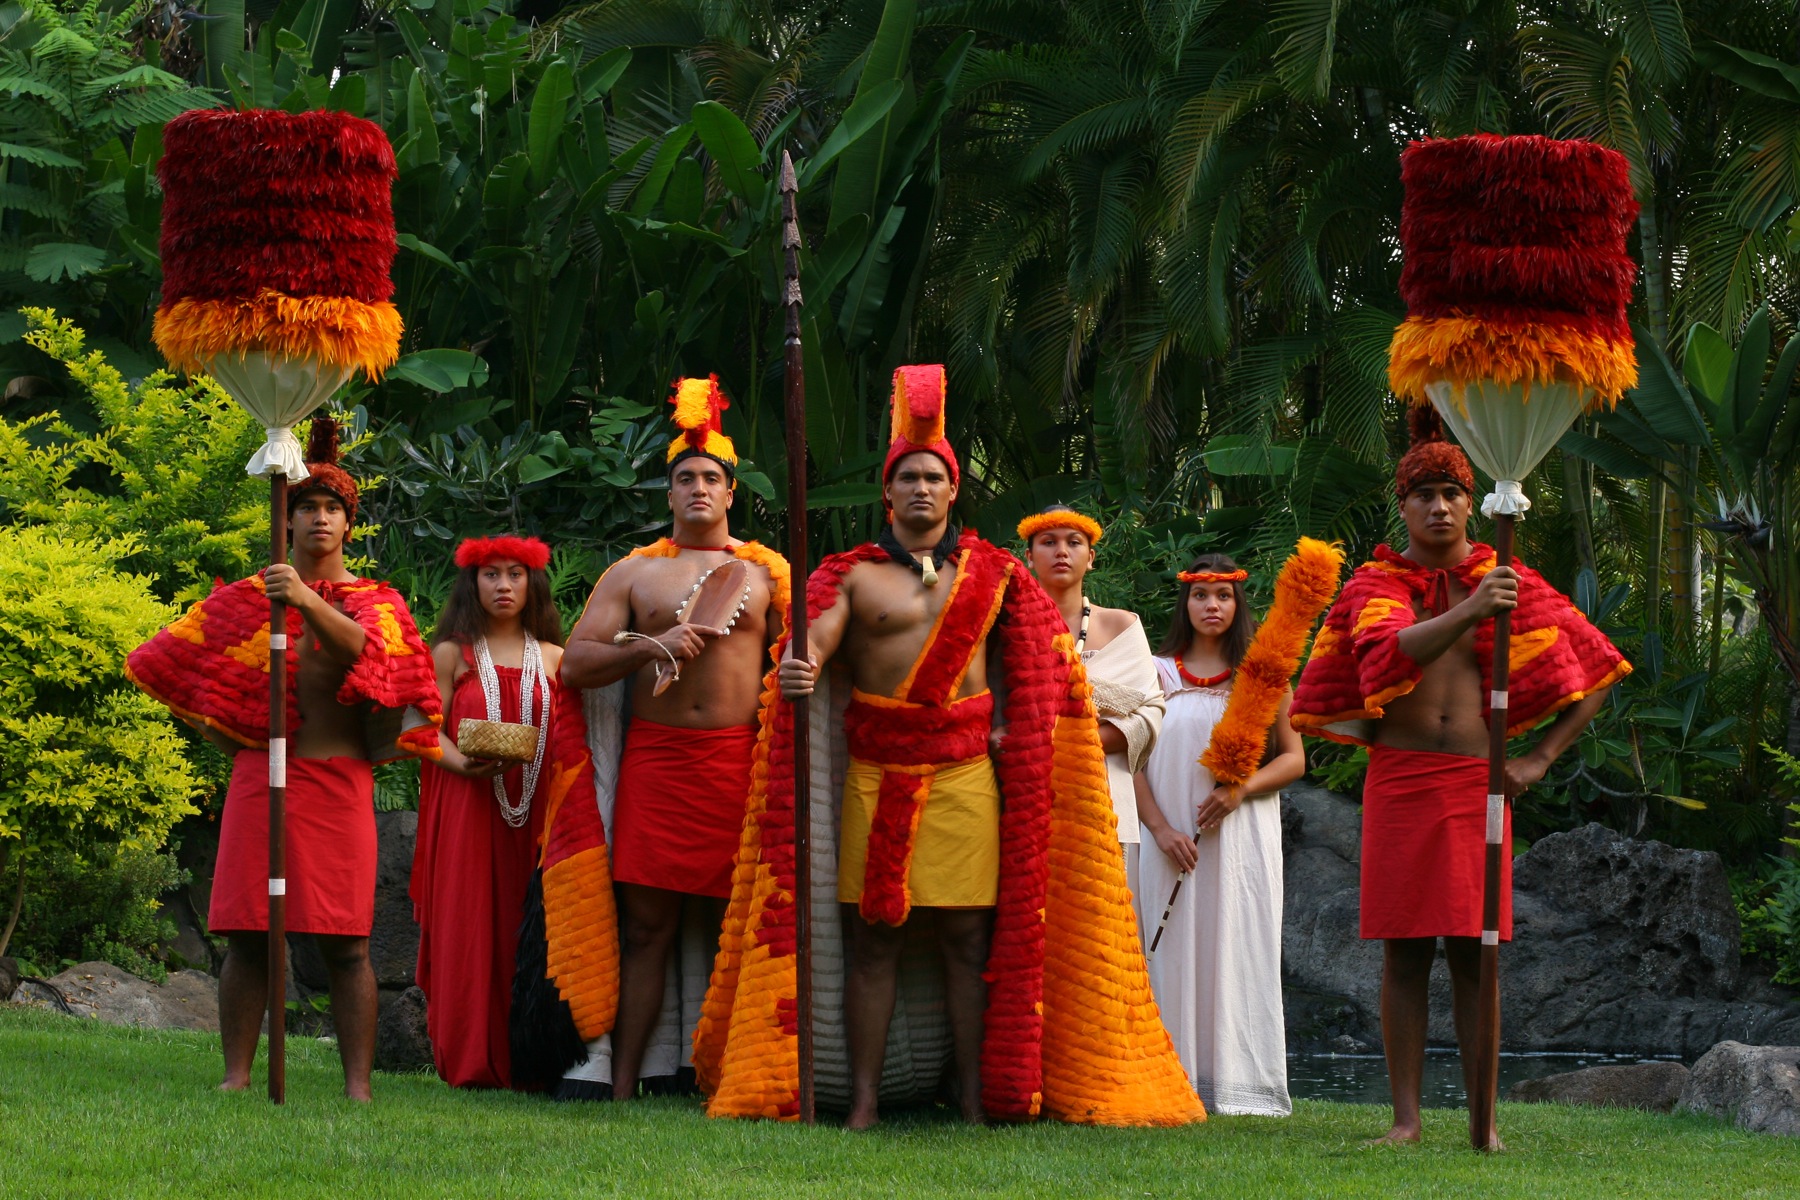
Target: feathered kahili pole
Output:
[
  {"x": 277, "y": 245},
  {"x": 1303, "y": 590},
  {"x": 1516, "y": 280}
]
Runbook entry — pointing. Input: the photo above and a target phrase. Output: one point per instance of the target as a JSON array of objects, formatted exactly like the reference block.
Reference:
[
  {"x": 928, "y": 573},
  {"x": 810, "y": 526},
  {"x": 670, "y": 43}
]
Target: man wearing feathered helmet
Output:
[
  {"x": 681, "y": 760},
  {"x": 1402, "y": 666},
  {"x": 1043, "y": 988},
  {"x": 358, "y": 671}
]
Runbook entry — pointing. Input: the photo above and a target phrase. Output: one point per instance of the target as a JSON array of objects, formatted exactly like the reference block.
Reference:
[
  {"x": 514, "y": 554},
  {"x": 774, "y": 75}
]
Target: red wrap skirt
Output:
[
  {"x": 679, "y": 812},
  {"x": 330, "y": 847},
  {"x": 1424, "y": 846}
]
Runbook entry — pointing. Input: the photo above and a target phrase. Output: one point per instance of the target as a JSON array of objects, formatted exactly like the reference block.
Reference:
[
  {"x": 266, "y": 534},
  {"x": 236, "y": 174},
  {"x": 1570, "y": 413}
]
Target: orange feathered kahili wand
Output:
[{"x": 1303, "y": 591}]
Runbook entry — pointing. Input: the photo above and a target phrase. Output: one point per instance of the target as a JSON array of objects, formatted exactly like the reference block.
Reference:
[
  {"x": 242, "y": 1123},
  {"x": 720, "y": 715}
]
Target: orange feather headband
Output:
[
  {"x": 1212, "y": 576},
  {"x": 1035, "y": 524}
]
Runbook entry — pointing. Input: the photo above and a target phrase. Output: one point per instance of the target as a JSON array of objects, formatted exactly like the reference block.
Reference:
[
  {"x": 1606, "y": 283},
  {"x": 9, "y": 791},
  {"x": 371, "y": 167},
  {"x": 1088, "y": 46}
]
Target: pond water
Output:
[{"x": 1362, "y": 1078}]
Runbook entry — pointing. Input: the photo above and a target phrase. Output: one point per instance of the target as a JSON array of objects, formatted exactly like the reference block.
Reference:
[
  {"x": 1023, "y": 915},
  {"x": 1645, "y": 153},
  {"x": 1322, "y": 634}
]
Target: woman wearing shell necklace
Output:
[
  {"x": 497, "y": 649},
  {"x": 1216, "y": 971},
  {"x": 1059, "y": 548}
]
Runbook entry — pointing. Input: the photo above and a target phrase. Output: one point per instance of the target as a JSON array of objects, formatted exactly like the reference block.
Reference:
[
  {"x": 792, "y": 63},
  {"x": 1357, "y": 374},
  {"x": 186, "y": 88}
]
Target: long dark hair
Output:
[
  {"x": 463, "y": 620},
  {"x": 1181, "y": 630}
]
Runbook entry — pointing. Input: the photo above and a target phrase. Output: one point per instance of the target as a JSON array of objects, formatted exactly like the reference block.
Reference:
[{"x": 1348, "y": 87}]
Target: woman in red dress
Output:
[{"x": 497, "y": 649}]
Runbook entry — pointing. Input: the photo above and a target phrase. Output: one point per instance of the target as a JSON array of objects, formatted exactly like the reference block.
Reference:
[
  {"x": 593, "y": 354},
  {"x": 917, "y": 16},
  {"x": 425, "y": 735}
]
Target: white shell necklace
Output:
[{"x": 531, "y": 682}]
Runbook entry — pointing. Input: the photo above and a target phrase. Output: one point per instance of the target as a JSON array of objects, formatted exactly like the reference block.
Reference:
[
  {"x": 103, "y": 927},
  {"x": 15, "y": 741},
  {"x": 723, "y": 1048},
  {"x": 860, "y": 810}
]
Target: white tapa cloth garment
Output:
[
  {"x": 1126, "y": 661},
  {"x": 1217, "y": 971}
]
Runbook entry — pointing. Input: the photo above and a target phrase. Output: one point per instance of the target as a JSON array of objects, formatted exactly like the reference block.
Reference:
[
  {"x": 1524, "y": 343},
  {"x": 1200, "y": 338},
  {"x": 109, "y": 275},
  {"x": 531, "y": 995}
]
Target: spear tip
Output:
[{"x": 789, "y": 185}]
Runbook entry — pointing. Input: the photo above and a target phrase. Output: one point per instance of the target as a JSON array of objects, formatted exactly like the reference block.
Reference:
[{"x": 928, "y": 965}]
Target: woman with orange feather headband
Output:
[
  {"x": 496, "y": 651},
  {"x": 1208, "y": 798},
  {"x": 1059, "y": 549}
]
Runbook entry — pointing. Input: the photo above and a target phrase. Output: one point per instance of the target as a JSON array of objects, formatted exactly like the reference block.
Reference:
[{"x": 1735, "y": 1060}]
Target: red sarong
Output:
[
  {"x": 679, "y": 811},
  {"x": 330, "y": 847},
  {"x": 1424, "y": 845}
]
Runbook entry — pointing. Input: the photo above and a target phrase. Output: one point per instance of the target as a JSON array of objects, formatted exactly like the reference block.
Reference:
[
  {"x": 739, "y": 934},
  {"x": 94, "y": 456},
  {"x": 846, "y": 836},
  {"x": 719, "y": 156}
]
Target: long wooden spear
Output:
[{"x": 795, "y": 398}]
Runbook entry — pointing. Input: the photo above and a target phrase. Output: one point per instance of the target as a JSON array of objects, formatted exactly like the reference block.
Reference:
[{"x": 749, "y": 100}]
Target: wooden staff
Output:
[
  {"x": 1487, "y": 1020},
  {"x": 795, "y": 400},
  {"x": 278, "y": 537}
]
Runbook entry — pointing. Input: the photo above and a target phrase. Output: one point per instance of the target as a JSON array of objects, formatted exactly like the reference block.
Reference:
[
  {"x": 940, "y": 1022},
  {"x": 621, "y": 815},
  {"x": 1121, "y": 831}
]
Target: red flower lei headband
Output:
[
  {"x": 527, "y": 551},
  {"x": 1212, "y": 576}
]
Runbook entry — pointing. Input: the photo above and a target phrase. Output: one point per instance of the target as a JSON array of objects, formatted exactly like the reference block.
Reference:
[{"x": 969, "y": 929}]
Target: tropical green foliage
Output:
[
  {"x": 86, "y": 760},
  {"x": 149, "y": 459},
  {"x": 102, "y": 906}
]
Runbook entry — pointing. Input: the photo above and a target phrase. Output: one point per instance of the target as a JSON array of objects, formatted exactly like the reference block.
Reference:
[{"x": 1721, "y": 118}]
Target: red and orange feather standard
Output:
[
  {"x": 700, "y": 416},
  {"x": 278, "y": 235},
  {"x": 1515, "y": 265},
  {"x": 1303, "y": 590}
]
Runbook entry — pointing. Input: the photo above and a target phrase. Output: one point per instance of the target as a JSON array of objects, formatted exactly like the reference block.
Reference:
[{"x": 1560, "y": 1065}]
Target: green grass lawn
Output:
[{"x": 90, "y": 1110}]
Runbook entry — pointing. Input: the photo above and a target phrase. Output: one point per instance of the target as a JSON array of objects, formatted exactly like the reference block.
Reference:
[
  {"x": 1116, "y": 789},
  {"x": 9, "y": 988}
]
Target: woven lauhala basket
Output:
[{"x": 502, "y": 741}]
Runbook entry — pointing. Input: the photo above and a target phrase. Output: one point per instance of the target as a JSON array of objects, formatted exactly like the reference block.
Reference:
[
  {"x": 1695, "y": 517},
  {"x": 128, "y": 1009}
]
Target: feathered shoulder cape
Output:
[
  {"x": 212, "y": 666},
  {"x": 1072, "y": 1029},
  {"x": 1357, "y": 667}
]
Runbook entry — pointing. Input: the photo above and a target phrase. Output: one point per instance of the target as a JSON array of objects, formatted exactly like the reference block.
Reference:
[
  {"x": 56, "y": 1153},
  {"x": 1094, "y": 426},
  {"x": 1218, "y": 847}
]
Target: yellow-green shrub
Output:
[
  {"x": 163, "y": 463},
  {"x": 86, "y": 760}
]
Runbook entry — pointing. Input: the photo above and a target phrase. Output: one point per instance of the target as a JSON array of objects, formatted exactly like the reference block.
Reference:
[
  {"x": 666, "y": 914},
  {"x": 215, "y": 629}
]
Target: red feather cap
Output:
[
  {"x": 918, "y": 410},
  {"x": 529, "y": 552}
]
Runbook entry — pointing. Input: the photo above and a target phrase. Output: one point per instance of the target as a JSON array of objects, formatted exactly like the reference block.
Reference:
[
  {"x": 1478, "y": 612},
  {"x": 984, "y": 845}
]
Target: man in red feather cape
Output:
[
  {"x": 358, "y": 672},
  {"x": 1014, "y": 855},
  {"x": 1403, "y": 666}
]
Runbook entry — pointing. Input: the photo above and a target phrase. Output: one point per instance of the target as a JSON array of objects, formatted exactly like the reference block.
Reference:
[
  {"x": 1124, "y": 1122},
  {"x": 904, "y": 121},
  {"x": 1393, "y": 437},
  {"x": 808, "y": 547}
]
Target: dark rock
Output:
[
  {"x": 1619, "y": 946},
  {"x": 1653, "y": 1087},
  {"x": 394, "y": 942},
  {"x": 401, "y": 1043},
  {"x": 9, "y": 977},
  {"x": 189, "y": 1000},
  {"x": 1754, "y": 1087},
  {"x": 190, "y": 947}
]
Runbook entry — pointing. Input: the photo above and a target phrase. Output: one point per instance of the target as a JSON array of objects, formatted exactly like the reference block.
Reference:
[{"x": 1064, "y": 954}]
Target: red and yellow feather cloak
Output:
[
  {"x": 211, "y": 667},
  {"x": 1357, "y": 666},
  {"x": 1071, "y": 1029}
]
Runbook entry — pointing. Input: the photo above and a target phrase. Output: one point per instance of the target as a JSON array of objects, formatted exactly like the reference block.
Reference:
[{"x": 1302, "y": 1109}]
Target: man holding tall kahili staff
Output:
[
  {"x": 1516, "y": 281},
  {"x": 277, "y": 239}
]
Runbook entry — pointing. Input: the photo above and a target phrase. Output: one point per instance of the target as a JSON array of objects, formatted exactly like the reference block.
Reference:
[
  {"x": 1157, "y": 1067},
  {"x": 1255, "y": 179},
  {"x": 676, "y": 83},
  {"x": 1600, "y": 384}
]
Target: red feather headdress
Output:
[
  {"x": 918, "y": 410},
  {"x": 528, "y": 552}
]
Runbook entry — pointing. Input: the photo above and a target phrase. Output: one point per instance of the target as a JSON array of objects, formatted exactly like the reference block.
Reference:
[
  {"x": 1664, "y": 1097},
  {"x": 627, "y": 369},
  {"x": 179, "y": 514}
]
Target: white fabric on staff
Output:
[
  {"x": 279, "y": 392},
  {"x": 1217, "y": 972},
  {"x": 1507, "y": 428},
  {"x": 277, "y": 762},
  {"x": 277, "y": 887},
  {"x": 1496, "y": 819},
  {"x": 1126, "y": 660},
  {"x": 278, "y": 641},
  {"x": 1490, "y": 937}
]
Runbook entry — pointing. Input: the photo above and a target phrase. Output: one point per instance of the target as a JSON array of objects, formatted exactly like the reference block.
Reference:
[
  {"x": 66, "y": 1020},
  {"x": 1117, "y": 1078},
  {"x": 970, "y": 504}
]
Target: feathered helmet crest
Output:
[
  {"x": 322, "y": 471},
  {"x": 699, "y": 415},
  {"x": 918, "y": 409},
  {"x": 1431, "y": 458}
]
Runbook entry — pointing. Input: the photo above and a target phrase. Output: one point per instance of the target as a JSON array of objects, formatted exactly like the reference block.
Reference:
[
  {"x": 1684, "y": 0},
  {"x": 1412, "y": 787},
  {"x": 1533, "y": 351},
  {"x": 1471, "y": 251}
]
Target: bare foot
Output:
[
  {"x": 235, "y": 1085},
  {"x": 359, "y": 1093},
  {"x": 862, "y": 1117},
  {"x": 1495, "y": 1145},
  {"x": 1399, "y": 1135},
  {"x": 973, "y": 1115}
]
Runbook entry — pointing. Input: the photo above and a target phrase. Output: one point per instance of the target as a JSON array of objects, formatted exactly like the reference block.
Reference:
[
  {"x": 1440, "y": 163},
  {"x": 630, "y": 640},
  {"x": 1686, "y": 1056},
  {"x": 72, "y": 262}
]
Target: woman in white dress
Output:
[
  {"x": 1059, "y": 549},
  {"x": 1217, "y": 969}
]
